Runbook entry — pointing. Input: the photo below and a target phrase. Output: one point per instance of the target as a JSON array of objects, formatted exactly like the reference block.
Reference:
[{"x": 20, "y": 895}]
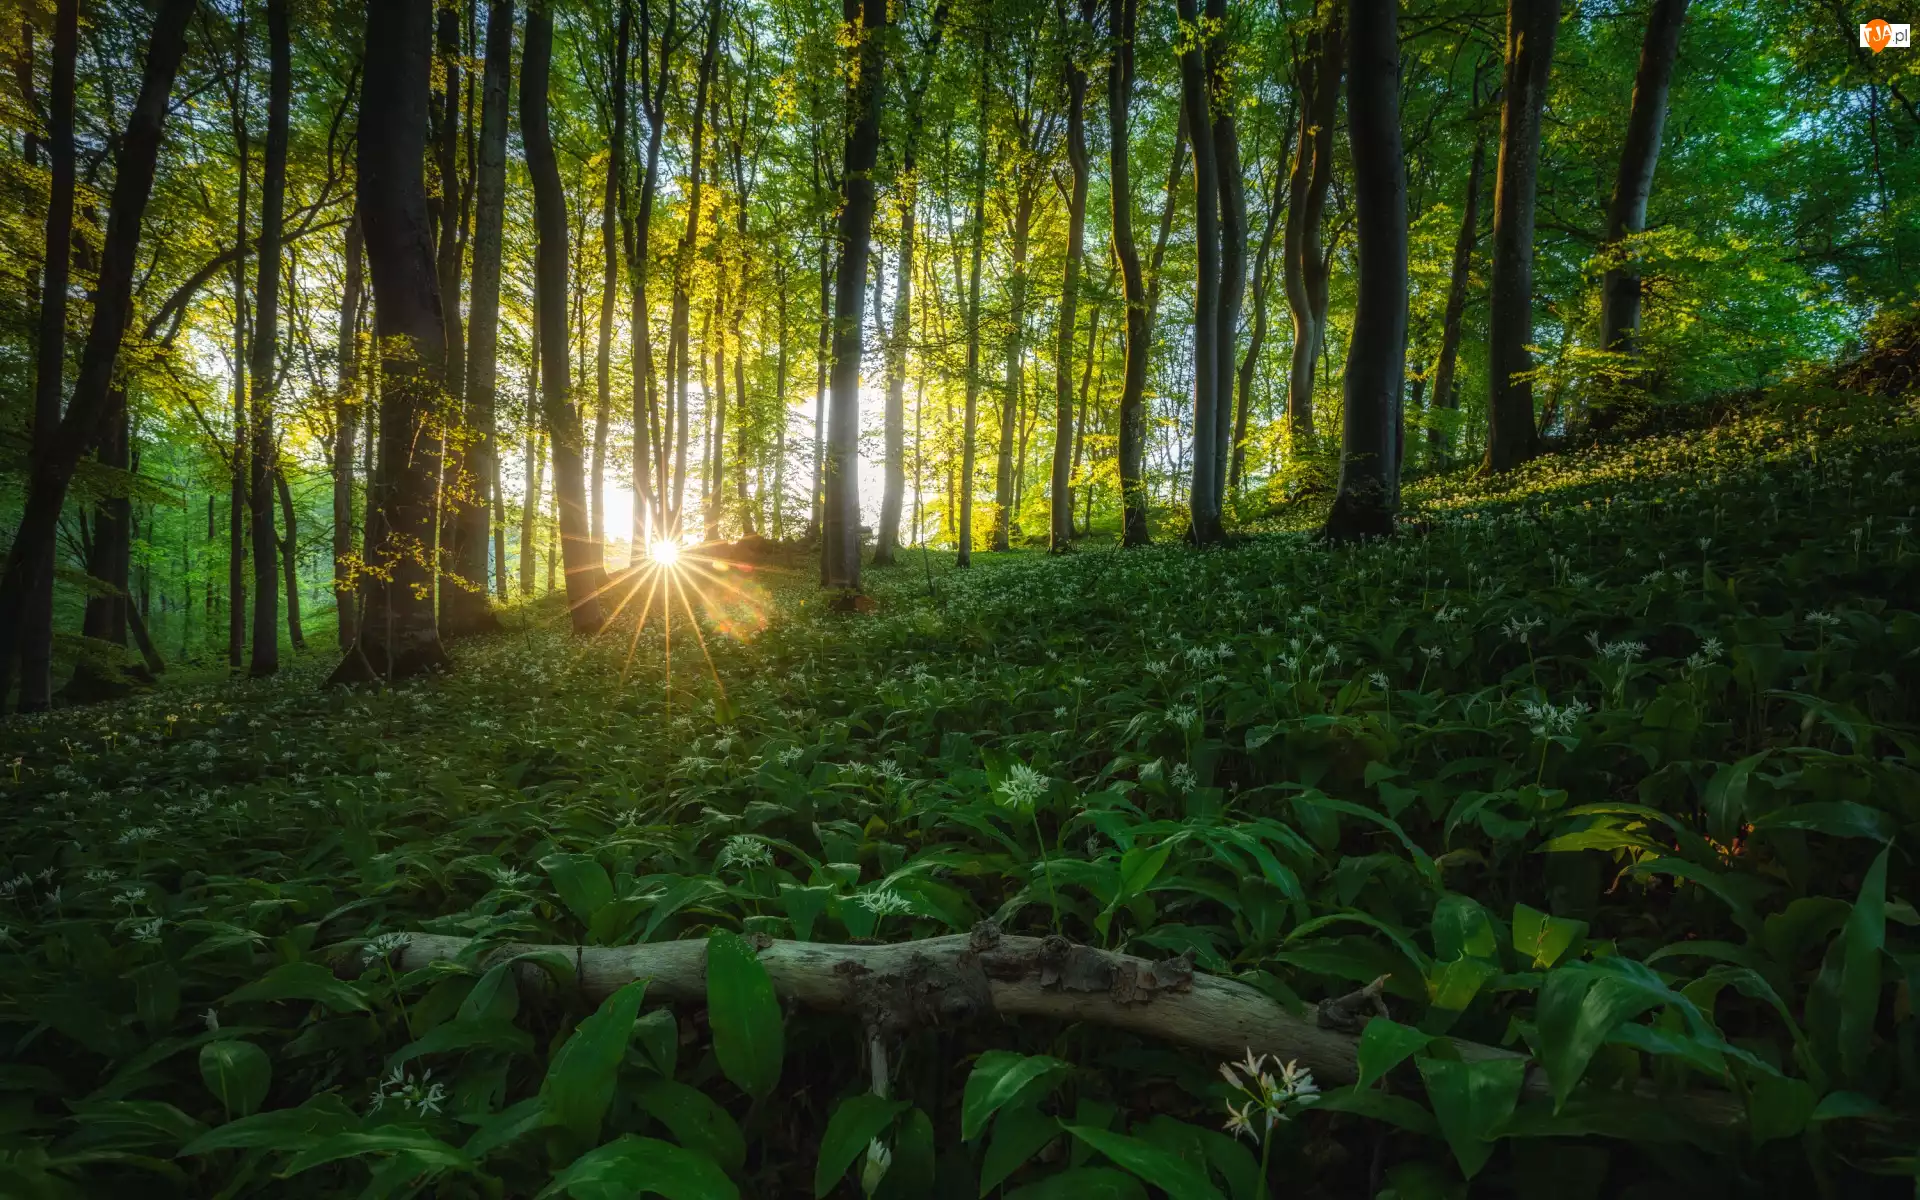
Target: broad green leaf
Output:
[
  {"x": 913, "y": 1172},
  {"x": 1836, "y": 818},
  {"x": 1470, "y": 1101},
  {"x": 858, "y": 1120},
  {"x": 1018, "y": 1135},
  {"x": 1083, "y": 1183},
  {"x": 1384, "y": 1045},
  {"x": 465, "y": 1033},
  {"x": 1864, "y": 936},
  {"x": 1451, "y": 987},
  {"x": 1725, "y": 796},
  {"x": 748, "y": 1036},
  {"x": 996, "y": 1078},
  {"x": 284, "y": 1129},
  {"x": 632, "y": 1166},
  {"x": 1778, "y": 1108},
  {"x": 581, "y": 881},
  {"x": 580, "y": 1079},
  {"x": 1170, "y": 1173},
  {"x": 696, "y": 1121},
  {"x": 1576, "y": 1012},
  {"x": 1543, "y": 938},
  {"x": 1139, "y": 867},
  {"x": 301, "y": 981},
  {"x": 423, "y": 1148},
  {"x": 1462, "y": 927},
  {"x": 503, "y": 1128},
  {"x": 237, "y": 1073},
  {"x": 1381, "y": 1106},
  {"x": 495, "y": 996},
  {"x": 804, "y": 906},
  {"x": 658, "y": 1033}
]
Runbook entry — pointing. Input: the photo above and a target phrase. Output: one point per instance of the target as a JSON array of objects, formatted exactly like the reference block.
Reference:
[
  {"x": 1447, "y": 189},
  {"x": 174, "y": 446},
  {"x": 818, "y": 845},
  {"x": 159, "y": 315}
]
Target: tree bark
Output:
[
  {"x": 265, "y": 659},
  {"x": 638, "y": 226},
  {"x": 535, "y": 461},
  {"x": 1061, "y": 497},
  {"x": 1304, "y": 262},
  {"x": 971, "y": 422},
  {"x": 1233, "y": 245},
  {"x": 50, "y": 343},
  {"x": 1204, "y": 527},
  {"x": 398, "y": 637},
  {"x": 823, "y": 360},
  {"x": 238, "y": 474},
  {"x": 1256, "y": 337},
  {"x": 346, "y": 429},
  {"x": 584, "y": 568},
  {"x": 609, "y": 283},
  {"x": 29, "y": 564},
  {"x": 290, "y": 560},
  {"x": 1511, "y": 436},
  {"x": 1457, "y": 283},
  {"x": 463, "y": 601},
  {"x": 1627, "y": 213},
  {"x": 780, "y": 395},
  {"x": 1123, "y": 16},
  {"x": 866, "y": 22},
  {"x": 1004, "y": 501},
  {"x": 1376, "y": 354},
  {"x": 683, "y": 265},
  {"x": 461, "y": 595}
]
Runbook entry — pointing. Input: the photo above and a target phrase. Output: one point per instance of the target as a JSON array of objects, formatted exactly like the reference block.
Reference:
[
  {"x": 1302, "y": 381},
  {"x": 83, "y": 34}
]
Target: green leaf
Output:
[
  {"x": 997, "y": 1077},
  {"x": 301, "y": 981},
  {"x": 1380, "y": 1106},
  {"x": 631, "y": 1166},
  {"x": 804, "y": 906},
  {"x": 496, "y": 996},
  {"x": 1836, "y": 818},
  {"x": 696, "y": 1121},
  {"x": 1083, "y": 1183},
  {"x": 465, "y": 1033},
  {"x": 1725, "y": 797},
  {"x": 913, "y": 1173},
  {"x": 1471, "y": 1100},
  {"x": 1170, "y": 1173},
  {"x": 1544, "y": 938},
  {"x": 285, "y": 1129},
  {"x": 237, "y": 1073},
  {"x": 156, "y": 996},
  {"x": 1462, "y": 927},
  {"x": 581, "y": 881},
  {"x": 857, "y": 1121},
  {"x": 505, "y": 1127},
  {"x": 424, "y": 1149},
  {"x": 658, "y": 1033},
  {"x": 580, "y": 1079},
  {"x": 1451, "y": 987},
  {"x": 1778, "y": 1108},
  {"x": 1018, "y": 1135},
  {"x": 1139, "y": 867},
  {"x": 748, "y": 1037},
  {"x": 1576, "y": 1012},
  {"x": 1384, "y": 1045},
  {"x": 1864, "y": 937}
]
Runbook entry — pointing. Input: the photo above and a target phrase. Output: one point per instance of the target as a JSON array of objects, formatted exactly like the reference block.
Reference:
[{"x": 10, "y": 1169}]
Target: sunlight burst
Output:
[{"x": 665, "y": 553}]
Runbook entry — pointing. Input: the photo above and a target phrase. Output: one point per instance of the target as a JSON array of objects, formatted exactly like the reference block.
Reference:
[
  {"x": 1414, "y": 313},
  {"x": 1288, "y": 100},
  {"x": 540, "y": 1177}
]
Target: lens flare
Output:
[{"x": 664, "y": 553}]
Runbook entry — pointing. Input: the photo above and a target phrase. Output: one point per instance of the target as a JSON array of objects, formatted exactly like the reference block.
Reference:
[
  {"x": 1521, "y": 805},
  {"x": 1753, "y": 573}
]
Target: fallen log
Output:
[{"x": 961, "y": 978}]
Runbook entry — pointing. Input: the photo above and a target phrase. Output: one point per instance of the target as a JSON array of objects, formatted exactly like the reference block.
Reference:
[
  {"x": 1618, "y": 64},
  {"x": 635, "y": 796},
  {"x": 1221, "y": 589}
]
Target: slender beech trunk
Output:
[
  {"x": 290, "y": 560},
  {"x": 463, "y": 602},
  {"x": 683, "y": 262},
  {"x": 1004, "y": 503},
  {"x": 647, "y": 508},
  {"x": 1256, "y": 336},
  {"x": 28, "y": 575},
  {"x": 1233, "y": 244},
  {"x": 716, "y": 403},
  {"x": 265, "y": 659},
  {"x": 1511, "y": 436},
  {"x": 971, "y": 422},
  {"x": 584, "y": 567},
  {"x": 50, "y": 348},
  {"x": 535, "y": 462},
  {"x": 1627, "y": 214},
  {"x": 460, "y": 491},
  {"x": 237, "y": 482},
  {"x": 609, "y": 285},
  {"x": 1061, "y": 492},
  {"x": 1203, "y": 497},
  {"x": 780, "y": 398},
  {"x": 823, "y": 360},
  {"x": 346, "y": 429},
  {"x": 1377, "y": 352},
  {"x": 1457, "y": 283},
  {"x": 1304, "y": 262},
  {"x": 866, "y": 21},
  {"x": 398, "y": 637},
  {"x": 1123, "y": 15}
]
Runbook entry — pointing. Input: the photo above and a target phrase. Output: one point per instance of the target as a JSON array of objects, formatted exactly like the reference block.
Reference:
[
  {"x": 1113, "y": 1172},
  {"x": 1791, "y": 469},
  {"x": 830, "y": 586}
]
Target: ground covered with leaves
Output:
[{"x": 1613, "y": 765}]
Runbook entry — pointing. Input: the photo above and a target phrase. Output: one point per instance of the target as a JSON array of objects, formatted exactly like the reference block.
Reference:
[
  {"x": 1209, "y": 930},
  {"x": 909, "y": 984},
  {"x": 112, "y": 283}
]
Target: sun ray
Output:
[{"x": 702, "y": 639}]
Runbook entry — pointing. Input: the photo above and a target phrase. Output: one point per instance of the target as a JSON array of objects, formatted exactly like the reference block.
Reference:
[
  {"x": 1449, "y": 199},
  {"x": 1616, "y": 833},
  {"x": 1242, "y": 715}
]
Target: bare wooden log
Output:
[{"x": 952, "y": 980}]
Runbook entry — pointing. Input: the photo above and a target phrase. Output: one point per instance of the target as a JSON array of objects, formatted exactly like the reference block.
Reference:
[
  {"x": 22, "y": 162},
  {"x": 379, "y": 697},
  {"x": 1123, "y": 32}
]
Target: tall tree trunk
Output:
[
  {"x": 1233, "y": 244},
  {"x": 609, "y": 285},
  {"x": 780, "y": 403},
  {"x": 1457, "y": 283},
  {"x": 290, "y": 560},
  {"x": 823, "y": 361},
  {"x": 460, "y": 595},
  {"x": 683, "y": 262},
  {"x": 1511, "y": 436},
  {"x": 1627, "y": 214},
  {"x": 108, "y": 552},
  {"x": 1203, "y": 497},
  {"x": 463, "y": 601},
  {"x": 717, "y": 406},
  {"x": 866, "y": 21},
  {"x": 1256, "y": 337},
  {"x": 1123, "y": 15},
  {"x": 28, "y": 575},
  {"x": 638, "y": 226},
  {"x": 533, "y": 471},
  {"x": 584, "y": 568},
  {"x": 50, "y": 348},
  {"x": 1377, "y": 352},
  {"x": 237, "y": 484},
  {"x": 1061, "y": 497},
  {"x": 398, "y": 637},
  {"x": 971, "y": 427},
  {"x": 1303, "y": 260},
  {"x": 1004, "y": 503},
  {"x": 266, "y": 335},
  {"x": 346, "y": 428}
]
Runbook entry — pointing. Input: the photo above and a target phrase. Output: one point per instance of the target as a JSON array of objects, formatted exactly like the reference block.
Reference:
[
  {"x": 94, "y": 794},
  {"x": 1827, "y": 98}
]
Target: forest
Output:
[{"x": 1167, "y": 472}]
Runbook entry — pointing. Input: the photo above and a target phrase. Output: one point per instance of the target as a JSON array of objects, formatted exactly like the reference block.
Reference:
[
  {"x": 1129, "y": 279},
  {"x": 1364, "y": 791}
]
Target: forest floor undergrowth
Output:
[{"x": 1612, "y": 764}]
